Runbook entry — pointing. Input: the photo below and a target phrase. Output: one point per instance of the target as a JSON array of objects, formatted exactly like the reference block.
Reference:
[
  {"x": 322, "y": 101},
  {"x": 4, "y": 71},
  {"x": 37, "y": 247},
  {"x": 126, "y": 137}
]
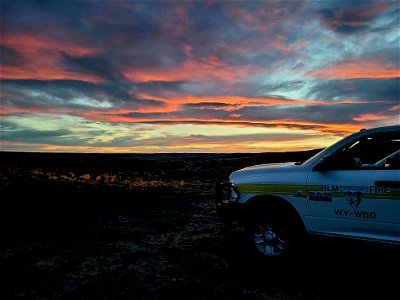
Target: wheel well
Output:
[{"x": 273, "y": 207}]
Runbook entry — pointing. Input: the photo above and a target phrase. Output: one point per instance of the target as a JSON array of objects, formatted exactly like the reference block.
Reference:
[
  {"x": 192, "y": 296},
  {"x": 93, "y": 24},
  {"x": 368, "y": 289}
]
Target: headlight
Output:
[{"x": 234, "y": 194}]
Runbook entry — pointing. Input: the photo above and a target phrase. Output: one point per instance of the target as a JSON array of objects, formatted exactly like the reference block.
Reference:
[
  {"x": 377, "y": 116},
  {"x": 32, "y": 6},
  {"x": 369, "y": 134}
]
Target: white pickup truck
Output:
[{"x": 350, "y": 189}]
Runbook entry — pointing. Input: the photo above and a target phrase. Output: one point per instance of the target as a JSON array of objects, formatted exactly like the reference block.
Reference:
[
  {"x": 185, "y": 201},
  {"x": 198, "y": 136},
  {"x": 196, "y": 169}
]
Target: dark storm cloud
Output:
[
  {"x": 322, "y": 114},
  {"x": 99, "y": 66},
  {"x": 357, "y": 89},
  {"x": 278, "y": 90},
  {"x": 185, "y": 113},
  {"x": 54, "y": 137},
  {"x": 203, "y": 105},
  {"x": 63, "y": 93},
  {"x": 34, "y": 16},
  {"x": 7, "y": 124},
  {"x": 210, "y": 28},
  {"x": 161, "y": 88},
  {"x": 351, "y": 16},
  {"x": 22, "y": 134},
  {"x": 11, "y": 57},
  {"x": 179, "y": 88},
  {"x": 59, "y": 137}
]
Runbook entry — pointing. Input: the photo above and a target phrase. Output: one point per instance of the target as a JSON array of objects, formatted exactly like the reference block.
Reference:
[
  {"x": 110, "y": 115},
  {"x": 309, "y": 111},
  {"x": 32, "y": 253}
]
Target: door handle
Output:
[{"x": 388, "y": 183}]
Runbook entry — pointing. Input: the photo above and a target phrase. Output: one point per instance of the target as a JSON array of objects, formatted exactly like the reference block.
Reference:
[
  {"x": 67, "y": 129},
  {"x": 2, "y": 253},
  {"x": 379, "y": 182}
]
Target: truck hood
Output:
[{"x": 262, "y": 170}]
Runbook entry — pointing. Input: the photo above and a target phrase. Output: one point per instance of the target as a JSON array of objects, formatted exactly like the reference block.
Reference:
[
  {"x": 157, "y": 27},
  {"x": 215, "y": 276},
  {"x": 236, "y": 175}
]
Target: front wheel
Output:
[
  {"x": 273, "y": 239},
  {"x": 269, "y": 239}
]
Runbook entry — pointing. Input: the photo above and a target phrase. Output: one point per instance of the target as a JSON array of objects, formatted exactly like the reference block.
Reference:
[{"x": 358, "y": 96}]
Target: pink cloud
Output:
[
  {"x": 357, "y": 69},
  {"x": 42, "y": 58}
]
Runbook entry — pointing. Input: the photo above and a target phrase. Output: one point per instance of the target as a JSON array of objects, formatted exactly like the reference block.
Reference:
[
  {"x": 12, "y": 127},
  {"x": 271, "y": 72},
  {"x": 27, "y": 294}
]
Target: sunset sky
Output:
[{"x": 195, "y": 76}]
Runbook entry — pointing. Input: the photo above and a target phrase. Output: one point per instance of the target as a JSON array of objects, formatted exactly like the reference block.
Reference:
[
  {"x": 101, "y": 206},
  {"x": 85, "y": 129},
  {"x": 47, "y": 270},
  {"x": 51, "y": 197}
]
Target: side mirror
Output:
[{"x": 326, "y": 163}]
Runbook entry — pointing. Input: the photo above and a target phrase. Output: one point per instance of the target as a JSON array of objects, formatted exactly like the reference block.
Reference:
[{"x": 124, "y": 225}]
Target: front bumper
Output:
[{"x": 228, "y": 209}]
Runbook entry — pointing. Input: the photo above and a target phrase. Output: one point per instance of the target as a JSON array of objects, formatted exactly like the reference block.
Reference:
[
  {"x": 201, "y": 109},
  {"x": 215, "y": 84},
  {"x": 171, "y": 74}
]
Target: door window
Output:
[{"x": 374, "y": 151}]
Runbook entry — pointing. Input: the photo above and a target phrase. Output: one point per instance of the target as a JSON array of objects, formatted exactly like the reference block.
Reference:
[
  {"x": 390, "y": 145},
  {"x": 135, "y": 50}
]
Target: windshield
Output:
[{"x": 309, "y": 159}]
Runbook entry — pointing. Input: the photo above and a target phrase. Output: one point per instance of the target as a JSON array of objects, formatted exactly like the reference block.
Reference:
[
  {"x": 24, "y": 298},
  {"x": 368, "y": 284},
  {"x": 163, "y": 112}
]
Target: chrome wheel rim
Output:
[{"x": 269, "y": 240}]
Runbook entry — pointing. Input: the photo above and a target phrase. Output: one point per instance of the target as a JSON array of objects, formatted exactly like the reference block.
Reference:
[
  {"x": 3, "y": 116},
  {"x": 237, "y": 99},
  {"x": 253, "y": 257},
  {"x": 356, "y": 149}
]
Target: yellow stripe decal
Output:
[
  {"x": 294, "y": 189},
  {"x": 271, "y": 188}
]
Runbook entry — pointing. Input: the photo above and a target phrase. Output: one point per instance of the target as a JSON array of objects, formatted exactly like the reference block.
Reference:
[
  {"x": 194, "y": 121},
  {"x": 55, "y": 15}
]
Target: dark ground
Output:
[{"x": 103, "y": 226}]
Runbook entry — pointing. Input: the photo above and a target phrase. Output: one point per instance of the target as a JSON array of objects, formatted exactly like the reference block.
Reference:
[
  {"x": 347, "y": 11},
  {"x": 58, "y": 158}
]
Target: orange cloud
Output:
[
  {"x": 41, "y": 57},
  {"x": 193, "y": 69},
  {"x": 394, "y": 108},
  {"x": 174, "y": 102},
  {"x": 370, "y": 117},
  {"x": 363, "y": 69},
  {"x": 44, "y": 70},
  {"x": 116, "y": 117},
  {"x": 31, "y": 45},
  {"x": 231, "y": 100}
]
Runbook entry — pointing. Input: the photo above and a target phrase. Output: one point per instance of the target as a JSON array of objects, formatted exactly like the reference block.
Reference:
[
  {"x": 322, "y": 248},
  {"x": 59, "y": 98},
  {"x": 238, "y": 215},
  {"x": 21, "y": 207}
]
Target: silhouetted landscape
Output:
[{"x": 143, "y": 226}]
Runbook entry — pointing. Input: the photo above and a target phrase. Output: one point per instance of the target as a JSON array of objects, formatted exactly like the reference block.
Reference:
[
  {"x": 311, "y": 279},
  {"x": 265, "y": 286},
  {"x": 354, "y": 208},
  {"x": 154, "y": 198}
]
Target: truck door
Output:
[{"x": 356, "y": 190}]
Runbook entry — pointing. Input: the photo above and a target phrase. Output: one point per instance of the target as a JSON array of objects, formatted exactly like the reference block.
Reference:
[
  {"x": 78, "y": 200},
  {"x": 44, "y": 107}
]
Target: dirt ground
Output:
[{"x": 76, "y": 226}]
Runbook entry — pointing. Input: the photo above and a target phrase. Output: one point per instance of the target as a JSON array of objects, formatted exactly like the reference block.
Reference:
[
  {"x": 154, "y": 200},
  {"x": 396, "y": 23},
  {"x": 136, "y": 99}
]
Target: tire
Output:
[{"x": 273, "y": 239}]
